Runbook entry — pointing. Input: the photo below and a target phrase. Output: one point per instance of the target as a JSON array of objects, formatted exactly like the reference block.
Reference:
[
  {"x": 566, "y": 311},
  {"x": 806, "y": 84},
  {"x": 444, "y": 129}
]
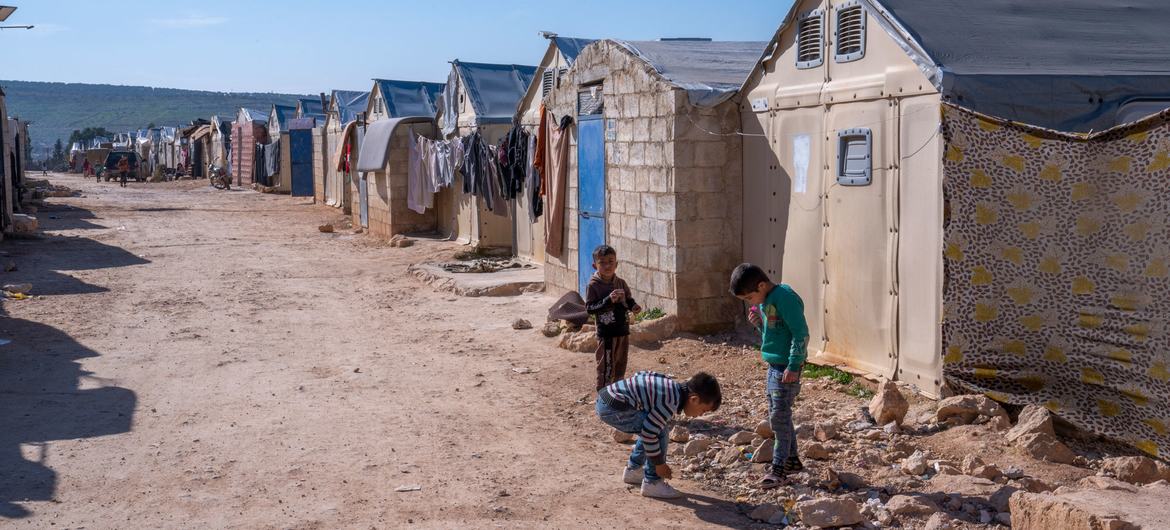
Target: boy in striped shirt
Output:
[{"x": 644, "y": 405}]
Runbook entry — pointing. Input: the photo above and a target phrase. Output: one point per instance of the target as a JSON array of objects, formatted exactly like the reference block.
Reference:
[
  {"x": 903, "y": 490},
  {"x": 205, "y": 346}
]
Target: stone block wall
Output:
[
  {"x": 319, "y": 165},
  {"x": 673, "y": 190},
  {"x": 387, "y": 193}
]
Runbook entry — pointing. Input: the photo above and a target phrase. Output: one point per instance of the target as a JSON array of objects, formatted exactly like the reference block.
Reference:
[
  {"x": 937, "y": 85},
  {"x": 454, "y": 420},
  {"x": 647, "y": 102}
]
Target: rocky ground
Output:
[{"x": 196, "y": 358}]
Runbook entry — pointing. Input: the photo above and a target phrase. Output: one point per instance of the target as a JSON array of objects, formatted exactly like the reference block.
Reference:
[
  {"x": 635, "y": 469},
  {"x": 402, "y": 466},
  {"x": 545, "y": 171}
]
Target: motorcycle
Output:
[{"x": 219, "y": 177}]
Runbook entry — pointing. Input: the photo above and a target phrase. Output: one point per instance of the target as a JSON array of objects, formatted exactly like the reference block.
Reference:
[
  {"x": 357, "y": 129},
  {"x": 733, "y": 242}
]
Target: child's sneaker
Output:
[
  {"x": 633, "y": 476},
  {"x": 793, "y": 465},
  {"x": 659, "y": 489}
]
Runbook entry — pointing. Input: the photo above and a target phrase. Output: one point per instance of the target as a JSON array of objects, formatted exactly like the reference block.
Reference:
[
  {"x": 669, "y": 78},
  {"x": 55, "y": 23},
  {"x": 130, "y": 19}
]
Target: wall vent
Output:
[
  {"x": 850, "y": 32},
  {"x": 810, "y": 38}
]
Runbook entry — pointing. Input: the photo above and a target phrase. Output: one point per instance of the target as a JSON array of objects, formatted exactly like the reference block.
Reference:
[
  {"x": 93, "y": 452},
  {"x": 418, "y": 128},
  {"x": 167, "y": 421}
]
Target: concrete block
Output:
[
  {"x": 641, "y": 179},
  {"x": 668, "y": 258},
  {"x": 649, "y": 207},
  {"x": 630, "y": 106},
  {"x": 645, "y": 230},
  {"x": 647, "y": 106},
  {"x": 654, "y": 154},
  {"x": 619, "y": 152},
  {"x": 659, "y": 179},
  {"x": 663, "y": 232},
  {"x": 641, "y": 128},
  {"x": 637, "y": 154},
  {"x": 665, "y": 207}
]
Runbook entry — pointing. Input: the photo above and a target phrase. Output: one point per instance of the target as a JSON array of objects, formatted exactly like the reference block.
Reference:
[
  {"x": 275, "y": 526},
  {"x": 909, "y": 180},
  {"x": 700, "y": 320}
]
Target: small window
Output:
[
  {"x": 589, "y": 101},
  {"x": 546, "y": 83},
  {"x": 850, "y": 32},
  {"x": 810, "y": 39},
  {"x": 855, "y": 157}
]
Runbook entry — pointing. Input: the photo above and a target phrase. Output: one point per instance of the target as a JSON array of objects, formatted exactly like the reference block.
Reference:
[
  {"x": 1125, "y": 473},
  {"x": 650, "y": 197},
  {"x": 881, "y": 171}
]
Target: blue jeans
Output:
[
  {"x": 781, "y": 397},
  {"x": 630, "y": 421}
]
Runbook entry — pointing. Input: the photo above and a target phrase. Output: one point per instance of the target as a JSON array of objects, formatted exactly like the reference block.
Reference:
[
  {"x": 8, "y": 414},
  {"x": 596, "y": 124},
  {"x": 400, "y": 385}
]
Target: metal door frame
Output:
[{"x": 584, "y": 257}]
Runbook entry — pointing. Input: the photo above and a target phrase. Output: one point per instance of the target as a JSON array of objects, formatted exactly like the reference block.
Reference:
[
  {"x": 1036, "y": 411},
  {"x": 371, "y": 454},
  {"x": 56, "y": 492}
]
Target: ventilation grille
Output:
[
  {"x": 810, "y": 35},
  {"x": 850, "y": 33},
  {"x": 546, "y": 83},
  {"x": 589, "y": 101}
]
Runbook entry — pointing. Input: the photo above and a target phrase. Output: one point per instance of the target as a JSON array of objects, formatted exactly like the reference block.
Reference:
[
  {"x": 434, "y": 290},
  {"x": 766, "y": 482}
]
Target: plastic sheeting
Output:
[
  {"x": 1057, "y": 285},
  {"x": 283, "y": 114},
  {"x": 710, "y": 71},
  {"x": 1062, "y": 64},
  {"x": 375, "y": 147},
  {"x": 570, "y": 48},
  {"x": 350, "y": 103},
  {"x": 494, "y": 90},
  {"x": 410, "y": 98}
]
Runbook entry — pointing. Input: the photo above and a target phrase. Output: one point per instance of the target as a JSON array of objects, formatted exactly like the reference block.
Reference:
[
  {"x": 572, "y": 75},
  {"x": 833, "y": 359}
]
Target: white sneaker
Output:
[
  {"x": 632, "y": 476},
  {"x": 659, "y": 489}
]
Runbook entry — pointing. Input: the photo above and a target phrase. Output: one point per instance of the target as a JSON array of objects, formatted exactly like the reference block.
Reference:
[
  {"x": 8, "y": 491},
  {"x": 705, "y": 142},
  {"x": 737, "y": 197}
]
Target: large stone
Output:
[
  {"x": 817, "y": 451},
  {"x": 581, "y": 341},
  {"x": 551, "y": 329},
  {"x": 764, "y": 429},
  {"x": 1045, "y": 447},
  {"x": 888, "y": 405},
  {"x": 762, "y": 454},
  {"x": 974, "y": 466},
  {"x": 911, "y": 506},
  {"x": 1133, "y": 469},
  {"x": 825, "y": 431},
  {"x": 963, "y": 486},
  {"x": 829, "y": 512},
  {"x": 939, "y": 521},
  {"x": 1093, "y": 509},
  {"x": 915, "y": 464},
  {"x": 742, "y": 438},
  {"x": 697, "y": 446},
  {"x": 679, "y": 434},
  {"x": 729, "y": 456},
  {"x": 764, "y": 512},
  {"x": 965, "y": 409},
  {"x": 23, "y": 224},
  {"x": 1033, "y": 419},
  {"x": 649, "y": 332}
]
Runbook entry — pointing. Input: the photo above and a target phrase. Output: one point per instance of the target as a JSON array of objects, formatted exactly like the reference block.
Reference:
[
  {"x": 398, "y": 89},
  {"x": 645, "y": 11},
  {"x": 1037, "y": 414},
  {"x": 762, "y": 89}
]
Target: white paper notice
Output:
[{"x": 800, "y": 154}]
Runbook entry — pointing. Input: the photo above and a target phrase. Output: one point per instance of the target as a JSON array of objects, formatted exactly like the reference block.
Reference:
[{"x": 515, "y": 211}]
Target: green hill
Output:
[{"x": 57, "y": 109}]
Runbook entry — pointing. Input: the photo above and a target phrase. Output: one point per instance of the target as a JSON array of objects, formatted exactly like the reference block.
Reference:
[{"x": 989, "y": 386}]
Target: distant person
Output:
[
  {"x": 123, "y": 170},
  {"x": 778, "y": 313},
  {"x": 644, "y": 405},
  {"x": 609, "y": 300}
]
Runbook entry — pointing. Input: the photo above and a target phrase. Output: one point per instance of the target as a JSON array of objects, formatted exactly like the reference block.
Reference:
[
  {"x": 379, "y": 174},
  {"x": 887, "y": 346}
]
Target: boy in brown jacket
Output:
[{"x": 608, "y": 299}]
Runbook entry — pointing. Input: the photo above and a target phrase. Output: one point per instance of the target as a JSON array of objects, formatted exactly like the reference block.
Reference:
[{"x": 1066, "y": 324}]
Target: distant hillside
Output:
[{"x": 57, "y": 109}]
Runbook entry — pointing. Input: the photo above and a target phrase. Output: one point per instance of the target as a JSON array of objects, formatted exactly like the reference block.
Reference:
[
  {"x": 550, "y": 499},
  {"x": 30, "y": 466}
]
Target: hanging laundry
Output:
[
  {"x": 532, "y": 183},
  {"x": 558, "y": 169},
  {"x": 418, "y": 193},
  {"x": 515, "y": 161}
]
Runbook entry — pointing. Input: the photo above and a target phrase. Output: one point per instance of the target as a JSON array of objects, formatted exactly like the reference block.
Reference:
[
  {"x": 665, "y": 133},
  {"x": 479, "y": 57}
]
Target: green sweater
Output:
[{"x": 785, "y": 341}]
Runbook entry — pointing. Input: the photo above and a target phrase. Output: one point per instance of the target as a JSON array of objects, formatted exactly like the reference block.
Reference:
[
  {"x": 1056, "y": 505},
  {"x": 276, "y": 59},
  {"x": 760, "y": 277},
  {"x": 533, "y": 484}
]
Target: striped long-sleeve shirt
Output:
[{"x": 656, "y": 394}]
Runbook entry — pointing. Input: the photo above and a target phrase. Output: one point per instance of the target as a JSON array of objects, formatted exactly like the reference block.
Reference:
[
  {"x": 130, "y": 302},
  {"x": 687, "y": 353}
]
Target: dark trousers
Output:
[{"x": 612, "y": 354}]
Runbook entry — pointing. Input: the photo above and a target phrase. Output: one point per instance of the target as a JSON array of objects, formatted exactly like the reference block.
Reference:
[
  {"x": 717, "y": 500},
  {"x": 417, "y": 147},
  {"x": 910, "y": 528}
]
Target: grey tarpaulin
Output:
[
  {"x": 257, "y": 116},
  {"x": 450, "y": 103},
  {"x": 409, "y": 98},
  {"x": 1068, "y": 65},
  {"x": 376, "y": 144},
  {"x": 570, "y": 47},
  {"x": 709, "y": 71},
  {"x": 283, "y": 113},
  {"x": 494, "y": 90}
]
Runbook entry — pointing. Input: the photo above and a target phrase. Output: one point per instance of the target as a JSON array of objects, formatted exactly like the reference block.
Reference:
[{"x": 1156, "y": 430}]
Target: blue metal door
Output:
[
  {"x": 300, "y": 142},
  {"x": 364, "y": 200},
  {"x": 590, "y": 194}
]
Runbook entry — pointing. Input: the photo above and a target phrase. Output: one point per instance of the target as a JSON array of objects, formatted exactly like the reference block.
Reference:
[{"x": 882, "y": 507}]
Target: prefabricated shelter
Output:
[
  {"x": 344, "y": 108},
  {"x": 478, "y": 98},
  {"x": 221, "y": 143},
  {"x": 6, "y": 177},
  {"x": 394, "y": 110},
  {"x": 198, "y": 144},
  {"x": 18, "y": 159},
  {"x": 652, "y": 168},
  {"x": 249, "y": 128},
  {"x": 934, "y": 239},
  {"x": 76, "y": 157},
  {"x": 527, "y": 226},
  {"x": 279, "y": 121},
  {"x": 314, "y": 109}
]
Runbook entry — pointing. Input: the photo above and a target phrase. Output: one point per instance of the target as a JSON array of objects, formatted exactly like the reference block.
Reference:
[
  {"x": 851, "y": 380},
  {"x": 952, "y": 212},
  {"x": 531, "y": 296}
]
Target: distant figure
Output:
[
  {"x": 85, "y": 168},
  {"x": 123, "y": 170}
]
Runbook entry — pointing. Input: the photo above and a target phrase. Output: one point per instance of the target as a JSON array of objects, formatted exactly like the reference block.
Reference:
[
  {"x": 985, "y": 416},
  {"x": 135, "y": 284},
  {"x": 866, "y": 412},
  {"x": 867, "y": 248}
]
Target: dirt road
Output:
[{"x": 206, "y": 359}]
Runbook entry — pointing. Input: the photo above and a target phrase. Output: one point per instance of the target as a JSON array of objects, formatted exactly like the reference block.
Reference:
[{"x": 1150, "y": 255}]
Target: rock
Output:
[
  {"x": 20, "y": 288},
  {"x": 915, "y": 464},
  {"x": 401, "y": 241},
  {"x": 970, "y": 462},
  {"x": 520, "y": 323},
  {"x": 888, "y": 405},
  {"x": 1034, "y": 485},
  {"x": 939, "y": 521},
  {"x": 1104, "y": 483},
  {"x": 1000, "y": 423},
  {"x": 947, "y": 469},
  {"x": 764, "y": 429},
  {"x": 1013, "y": 472},
  {"x": 891, "y": 429},
  {"x": 825, "y": 431},
  {"x": 989, "y": 472},
  {"x": 729, "y": 456},
  {"x": 829, "y": 512},
  {"x": 764, "y": 512},
  {"x": 624, "y": 437},
  {"x": 697, "y": 447},
  {"x": 551, "y": 329},
  {"x": 762, "y": 454},
  {"x": 23, "y": 224},
  {"x": 1033, "y": 419},
  {"x": 1046, "y": 447},
  {"x": 1000, "y": 500},
  {"x": 965, "y": 409},
  {"x": 649, "y": 332},
  {"x": 962, "y": 485},
  {"x": 1132, "y": 469},
  {"x": 1092, "y": 509},
  {"x": 911, "y": 506},
  {"x": 1163, "y": 471},
  {"x": 859, "y": 425},
  {"x": 679, "y": 434},
  {"x": 325, "y": 229},
  {"x": 817, "y": 451},
  {"x": 581, "y": 341},
  {"x": 742, "y": 438}
]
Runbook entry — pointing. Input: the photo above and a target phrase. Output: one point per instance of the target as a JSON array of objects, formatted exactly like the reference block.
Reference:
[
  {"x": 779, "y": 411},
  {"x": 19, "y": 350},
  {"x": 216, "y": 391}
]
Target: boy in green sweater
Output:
[{"x": 778, "y": 312}]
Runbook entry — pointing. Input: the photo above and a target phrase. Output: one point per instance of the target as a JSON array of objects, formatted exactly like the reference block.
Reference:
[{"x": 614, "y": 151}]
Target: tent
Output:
[{"x": 344, "y": 107}]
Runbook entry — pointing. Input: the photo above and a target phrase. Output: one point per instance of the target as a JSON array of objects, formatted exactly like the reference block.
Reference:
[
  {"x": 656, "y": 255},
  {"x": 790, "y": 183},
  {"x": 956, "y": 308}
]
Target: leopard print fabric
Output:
[{"x": 1058, "y": 271}]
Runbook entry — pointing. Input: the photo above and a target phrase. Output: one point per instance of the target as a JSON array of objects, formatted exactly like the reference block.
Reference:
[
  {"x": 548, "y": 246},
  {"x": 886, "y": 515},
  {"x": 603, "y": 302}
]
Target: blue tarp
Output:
[
  {"x": 494, "y": 89},
  {"x": 283, "y": 114},
  {"x": 350, "y": 103},
  {"x": 571, "y": 47},
  {"x": 409, "y": 98},
  {"x": 255, "y": 115}
]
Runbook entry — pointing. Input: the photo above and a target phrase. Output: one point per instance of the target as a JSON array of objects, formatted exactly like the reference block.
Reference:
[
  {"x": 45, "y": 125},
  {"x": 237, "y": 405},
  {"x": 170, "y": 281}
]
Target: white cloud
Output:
[{"x": 188, "y": 21}]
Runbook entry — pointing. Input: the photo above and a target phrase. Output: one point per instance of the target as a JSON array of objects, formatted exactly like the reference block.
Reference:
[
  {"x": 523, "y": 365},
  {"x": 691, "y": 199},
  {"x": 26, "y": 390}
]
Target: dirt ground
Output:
[{"x": 195, "y": 358}]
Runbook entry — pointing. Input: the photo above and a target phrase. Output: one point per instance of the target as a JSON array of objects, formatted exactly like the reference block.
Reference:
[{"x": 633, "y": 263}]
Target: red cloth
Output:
[{"x": 541, "y": 145}]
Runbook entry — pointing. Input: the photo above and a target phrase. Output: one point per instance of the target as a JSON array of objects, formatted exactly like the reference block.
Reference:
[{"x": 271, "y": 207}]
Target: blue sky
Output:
[{"x": 302, "y": 46}]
